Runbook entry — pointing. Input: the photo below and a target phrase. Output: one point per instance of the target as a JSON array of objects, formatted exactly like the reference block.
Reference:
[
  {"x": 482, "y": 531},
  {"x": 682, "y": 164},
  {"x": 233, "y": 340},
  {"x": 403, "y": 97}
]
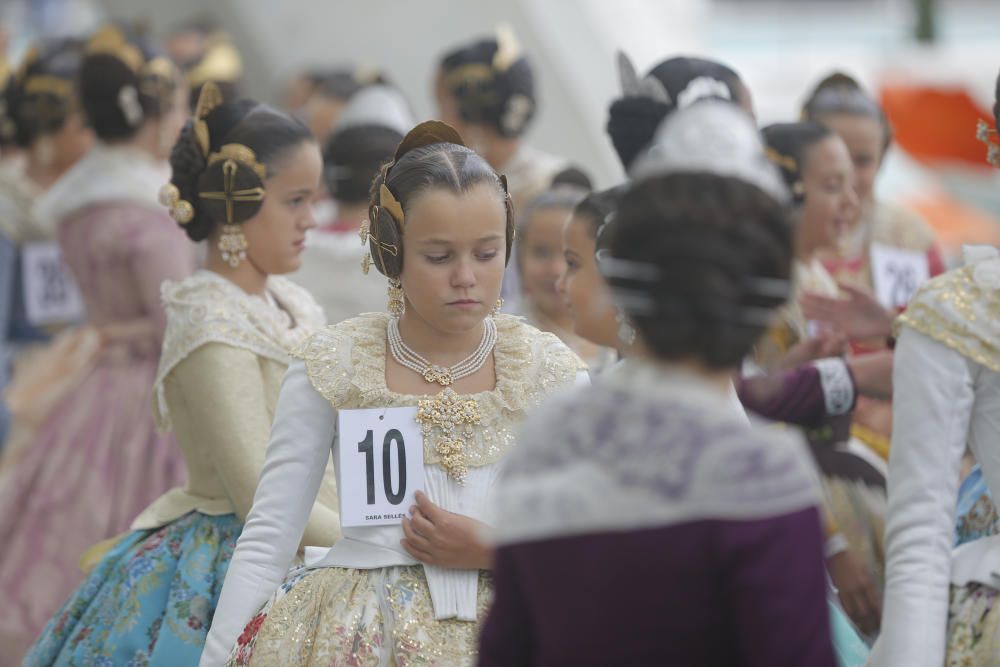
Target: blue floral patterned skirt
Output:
[
  {"x": 976, "y": 515},
  {"x": 149, "y": 601},
  {"x": 974, "y": 609}
]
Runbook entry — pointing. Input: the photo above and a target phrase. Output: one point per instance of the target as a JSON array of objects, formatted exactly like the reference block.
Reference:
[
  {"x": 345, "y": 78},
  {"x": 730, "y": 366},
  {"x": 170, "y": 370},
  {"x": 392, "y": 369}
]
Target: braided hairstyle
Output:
[
  {"x": 703, "y": 241},
  {"x": 442, "y": 164},
  {"x": 632, "y": 120},
  {"x": 503, "y": 99},
  {"x": 269, "y": 133},
  {"x": 41, "y": 95}
]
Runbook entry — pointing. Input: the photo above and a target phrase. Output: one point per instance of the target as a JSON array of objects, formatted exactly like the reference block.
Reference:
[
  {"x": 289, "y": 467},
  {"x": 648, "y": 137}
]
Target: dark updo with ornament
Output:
[
  {"x": 492, "y": 83},
  {"x": 432, "y": 155},
  {"x": 222, "y": 159},
  {"x": 675, "y": 83},
  {"x": 41, "y": 94},
  {"x": 123, "y": 82}
]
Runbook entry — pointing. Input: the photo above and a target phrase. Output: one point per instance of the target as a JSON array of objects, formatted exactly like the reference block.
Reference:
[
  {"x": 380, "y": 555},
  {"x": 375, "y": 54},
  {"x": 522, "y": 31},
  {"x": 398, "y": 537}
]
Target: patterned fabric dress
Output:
[
  {"x": 97, "y": 459},
  {"x": 973, "y": 613},
  {"x": 151, "y": 598},
  {"x": 399, "y": 612}
]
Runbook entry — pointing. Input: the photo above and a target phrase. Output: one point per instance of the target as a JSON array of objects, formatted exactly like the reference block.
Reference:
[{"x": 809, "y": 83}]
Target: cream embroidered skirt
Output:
[{"x": 338, "y": 616}]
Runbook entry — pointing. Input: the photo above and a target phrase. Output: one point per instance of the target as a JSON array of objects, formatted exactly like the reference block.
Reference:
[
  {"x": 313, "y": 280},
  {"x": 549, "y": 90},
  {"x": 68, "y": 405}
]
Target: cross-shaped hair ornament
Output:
[{"x": 229, "y": 194}]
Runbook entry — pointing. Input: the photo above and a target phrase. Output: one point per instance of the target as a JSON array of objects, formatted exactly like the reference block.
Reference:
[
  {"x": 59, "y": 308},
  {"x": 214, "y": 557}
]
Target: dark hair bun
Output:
[
  {"x": 501, "y": 98},
  {"x": 352, "y": 158},
  {"x": 632, "y": 123},
  {"x": 42, "y": 93},
  {"x": 264, "y": 136},
  {"x": 705, "y": 244},
  {"x": 573, "y": 177},
  {"x": 123, "y": 81},
  {"x": 633, "y": 120},
  {"x": 788, "y": 143}
]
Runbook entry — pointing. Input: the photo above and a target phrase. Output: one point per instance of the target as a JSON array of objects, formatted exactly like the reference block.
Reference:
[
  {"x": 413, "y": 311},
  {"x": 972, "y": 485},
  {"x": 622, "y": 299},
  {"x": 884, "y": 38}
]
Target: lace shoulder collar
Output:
[
  {"x": 644, "y": 448},
  {"x": 346, "y": 365},
  {"x": 960, "y": 308},
  {"x": 207, "y": 308}
]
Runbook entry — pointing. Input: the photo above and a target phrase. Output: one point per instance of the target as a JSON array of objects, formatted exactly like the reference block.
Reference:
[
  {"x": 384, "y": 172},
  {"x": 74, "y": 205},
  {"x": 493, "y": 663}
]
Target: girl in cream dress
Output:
[
  {"x": 415, "y": 591},
  {"x": 230, "y": 328}
]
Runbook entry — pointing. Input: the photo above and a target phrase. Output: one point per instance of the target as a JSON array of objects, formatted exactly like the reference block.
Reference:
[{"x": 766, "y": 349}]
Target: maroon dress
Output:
[{"x": 642, "y": 521}]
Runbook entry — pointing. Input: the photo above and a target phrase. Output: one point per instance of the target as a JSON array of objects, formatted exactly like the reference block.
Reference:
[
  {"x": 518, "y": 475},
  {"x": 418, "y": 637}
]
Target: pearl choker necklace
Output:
[{"x": 409, "y": 358}]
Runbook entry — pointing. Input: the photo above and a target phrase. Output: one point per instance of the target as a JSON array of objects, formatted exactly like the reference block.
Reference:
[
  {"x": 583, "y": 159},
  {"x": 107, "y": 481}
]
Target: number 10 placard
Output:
[{"x": 380, "y": 465}]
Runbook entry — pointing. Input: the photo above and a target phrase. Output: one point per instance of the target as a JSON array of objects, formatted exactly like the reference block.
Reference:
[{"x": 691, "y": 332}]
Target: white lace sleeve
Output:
[{"x": 301, "y": 440}]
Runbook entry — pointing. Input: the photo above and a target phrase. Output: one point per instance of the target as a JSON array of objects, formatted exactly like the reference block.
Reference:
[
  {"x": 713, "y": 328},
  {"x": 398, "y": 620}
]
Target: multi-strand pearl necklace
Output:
[{"x": 407, "y": 357}]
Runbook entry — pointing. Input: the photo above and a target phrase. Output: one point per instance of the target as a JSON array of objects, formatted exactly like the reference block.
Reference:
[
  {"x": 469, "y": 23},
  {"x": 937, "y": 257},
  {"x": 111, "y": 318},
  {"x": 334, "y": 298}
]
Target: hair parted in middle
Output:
[{"x": 431, "y": 155}]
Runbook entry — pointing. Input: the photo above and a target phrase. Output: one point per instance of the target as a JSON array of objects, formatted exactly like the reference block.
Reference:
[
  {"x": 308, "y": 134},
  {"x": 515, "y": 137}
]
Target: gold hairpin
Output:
[
  {"x": 786, "y": 162},
  {"x": 508, "y": 48},
  {"x": 367, "y": 236},
  {"x": 242, "y": 154},
  {"x": 389, "y": 202},
  {"x": 221, "y": 62},
  {"x": 209, "y": 99},
  {"x": 46, "y": 83},
  {"x": 110, "y": 40}
]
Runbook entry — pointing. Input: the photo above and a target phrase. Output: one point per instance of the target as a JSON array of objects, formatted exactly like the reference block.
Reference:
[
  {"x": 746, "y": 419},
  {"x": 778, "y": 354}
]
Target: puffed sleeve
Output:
[
  {"x": 301, "y": 439},
  {"x": 933, "y": 404}
]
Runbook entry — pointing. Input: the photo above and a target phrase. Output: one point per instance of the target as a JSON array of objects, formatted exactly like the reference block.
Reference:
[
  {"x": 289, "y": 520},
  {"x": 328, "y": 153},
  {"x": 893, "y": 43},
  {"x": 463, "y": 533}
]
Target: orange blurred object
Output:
[
  {"x": 955, "y": 223},
  {"x": 935, "y": 125}
]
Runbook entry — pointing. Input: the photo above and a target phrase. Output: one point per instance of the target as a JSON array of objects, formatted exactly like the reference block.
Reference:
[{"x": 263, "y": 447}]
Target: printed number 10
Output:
[{"x": 367, "y": 447}]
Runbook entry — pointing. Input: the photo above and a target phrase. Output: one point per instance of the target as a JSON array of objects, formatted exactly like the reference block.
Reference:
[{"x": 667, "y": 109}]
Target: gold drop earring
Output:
[
  {"x": 233, "y": 245},
  {"x": 396, "y": 303},
  {"x": 496, "y": 307}
]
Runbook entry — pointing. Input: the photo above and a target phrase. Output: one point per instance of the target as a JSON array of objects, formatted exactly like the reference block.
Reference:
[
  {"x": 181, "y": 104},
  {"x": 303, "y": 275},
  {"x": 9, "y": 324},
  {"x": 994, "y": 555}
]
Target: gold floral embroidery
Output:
[
  {"x": 955, "y": 310},
  {"x": 339, "y": 615},
  {"x": 346, "y": 365},
  {"x": 449, "y": 413}
]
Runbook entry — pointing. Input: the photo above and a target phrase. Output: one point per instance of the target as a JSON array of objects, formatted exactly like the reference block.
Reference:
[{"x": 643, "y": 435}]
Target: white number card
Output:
[
  {"x": 50, "y": 294},
  {"x": 897, "y": 274},
  {"x": 380, "y": 465}
]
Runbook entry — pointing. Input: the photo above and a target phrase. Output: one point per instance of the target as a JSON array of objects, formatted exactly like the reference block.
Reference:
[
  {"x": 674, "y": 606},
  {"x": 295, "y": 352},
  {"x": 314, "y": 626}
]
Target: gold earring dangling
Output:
[
  {"x": 395, "y": 291},
  {"x": 233, "y": 245},
  {"x": 496, "y": 307}
]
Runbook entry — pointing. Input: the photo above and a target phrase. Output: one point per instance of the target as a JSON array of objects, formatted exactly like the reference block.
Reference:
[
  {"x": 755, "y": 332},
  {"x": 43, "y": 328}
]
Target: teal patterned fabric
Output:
[{"x": 148, "y": 602}]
